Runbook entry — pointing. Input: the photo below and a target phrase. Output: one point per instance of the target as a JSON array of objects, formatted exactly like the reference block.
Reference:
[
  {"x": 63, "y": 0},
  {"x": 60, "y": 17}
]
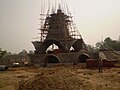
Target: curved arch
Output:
[
  {"x": 53, "y": 59},
  {"x": 82, "y": 58},
  {"x": 77, "y": 45},
  {"x": 49, "y": 42}
]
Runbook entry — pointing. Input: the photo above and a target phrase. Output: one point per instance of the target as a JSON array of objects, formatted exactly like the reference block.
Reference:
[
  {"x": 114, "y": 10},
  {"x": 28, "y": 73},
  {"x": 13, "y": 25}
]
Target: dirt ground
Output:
[{"x": 60, "y": 77}]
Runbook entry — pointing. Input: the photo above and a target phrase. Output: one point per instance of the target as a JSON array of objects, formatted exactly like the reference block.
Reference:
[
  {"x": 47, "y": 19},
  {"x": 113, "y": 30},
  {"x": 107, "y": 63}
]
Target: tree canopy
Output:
[
  {"x": 2, "y": 53},
  {"x": 109, "y": 44}
]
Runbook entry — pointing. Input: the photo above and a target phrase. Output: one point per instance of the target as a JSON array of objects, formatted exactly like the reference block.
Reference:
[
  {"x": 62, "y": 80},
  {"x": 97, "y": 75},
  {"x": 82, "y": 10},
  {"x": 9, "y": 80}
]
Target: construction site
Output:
[{"x": 61, "y": 60}]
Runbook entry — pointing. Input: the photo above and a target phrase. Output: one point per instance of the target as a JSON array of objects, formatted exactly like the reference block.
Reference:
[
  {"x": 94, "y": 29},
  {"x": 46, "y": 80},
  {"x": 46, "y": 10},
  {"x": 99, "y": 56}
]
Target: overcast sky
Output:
[{"x": 95, "y": 20}]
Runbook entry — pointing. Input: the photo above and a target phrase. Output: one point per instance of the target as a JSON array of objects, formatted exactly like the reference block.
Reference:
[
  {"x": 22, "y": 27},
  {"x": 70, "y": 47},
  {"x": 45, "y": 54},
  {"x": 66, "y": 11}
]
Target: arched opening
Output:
[
  {"x": 76, "y": 45},
  {"x": 82, "y": 58},
  {"x": 51, "y": 59},
  {"x": 53, "y": 46},
  {"x": 72, "y": 49},
  {"x": 53, "y": 49}
]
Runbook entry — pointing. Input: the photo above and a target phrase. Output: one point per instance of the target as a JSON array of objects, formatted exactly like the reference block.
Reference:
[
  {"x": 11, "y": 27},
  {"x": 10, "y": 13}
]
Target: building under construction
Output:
[
  {"x": 59, "y": 39},
  {"x": 58, "y": 29}
]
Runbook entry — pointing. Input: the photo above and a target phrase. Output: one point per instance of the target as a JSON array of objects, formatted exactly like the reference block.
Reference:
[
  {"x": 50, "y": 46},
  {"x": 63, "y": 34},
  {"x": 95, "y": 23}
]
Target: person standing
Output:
[{"x": 101, "y": 58}]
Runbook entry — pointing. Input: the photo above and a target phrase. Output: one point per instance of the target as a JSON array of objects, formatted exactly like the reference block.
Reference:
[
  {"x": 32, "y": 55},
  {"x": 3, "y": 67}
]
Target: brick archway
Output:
[
  {"x": 82, "y": 58},
  {"x": 51, "y": 59}
]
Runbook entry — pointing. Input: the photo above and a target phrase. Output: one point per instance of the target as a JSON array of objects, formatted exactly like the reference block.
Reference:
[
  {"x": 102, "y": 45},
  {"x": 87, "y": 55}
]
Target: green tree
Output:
[
  {"x": 99, "y": 45},
  {"x": 90, "y": 48},
  {"x": 23, "y": 52},
  {"x": 109, "y": 44},
  {"x": 2, "y": 53}
]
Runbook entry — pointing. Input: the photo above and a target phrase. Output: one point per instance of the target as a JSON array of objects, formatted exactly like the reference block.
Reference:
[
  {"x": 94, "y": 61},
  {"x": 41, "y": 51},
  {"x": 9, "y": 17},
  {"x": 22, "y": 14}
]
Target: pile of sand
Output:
[{"x": 55, "y": 79}]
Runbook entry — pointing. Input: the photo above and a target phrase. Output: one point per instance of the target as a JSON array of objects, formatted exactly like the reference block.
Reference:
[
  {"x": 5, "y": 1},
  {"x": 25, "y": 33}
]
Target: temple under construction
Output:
[
  {"x": 60, "y": 41},
  {"x": 58, "y": 33}
]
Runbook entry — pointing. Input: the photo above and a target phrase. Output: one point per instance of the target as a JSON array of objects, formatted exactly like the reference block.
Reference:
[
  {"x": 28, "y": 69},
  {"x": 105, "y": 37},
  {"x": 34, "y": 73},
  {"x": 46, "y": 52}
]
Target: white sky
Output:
[{"x": 95, "y": 20}]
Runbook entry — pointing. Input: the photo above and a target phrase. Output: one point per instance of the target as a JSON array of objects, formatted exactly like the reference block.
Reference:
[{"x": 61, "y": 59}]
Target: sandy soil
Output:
[{"x": 59, "y": 77}]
